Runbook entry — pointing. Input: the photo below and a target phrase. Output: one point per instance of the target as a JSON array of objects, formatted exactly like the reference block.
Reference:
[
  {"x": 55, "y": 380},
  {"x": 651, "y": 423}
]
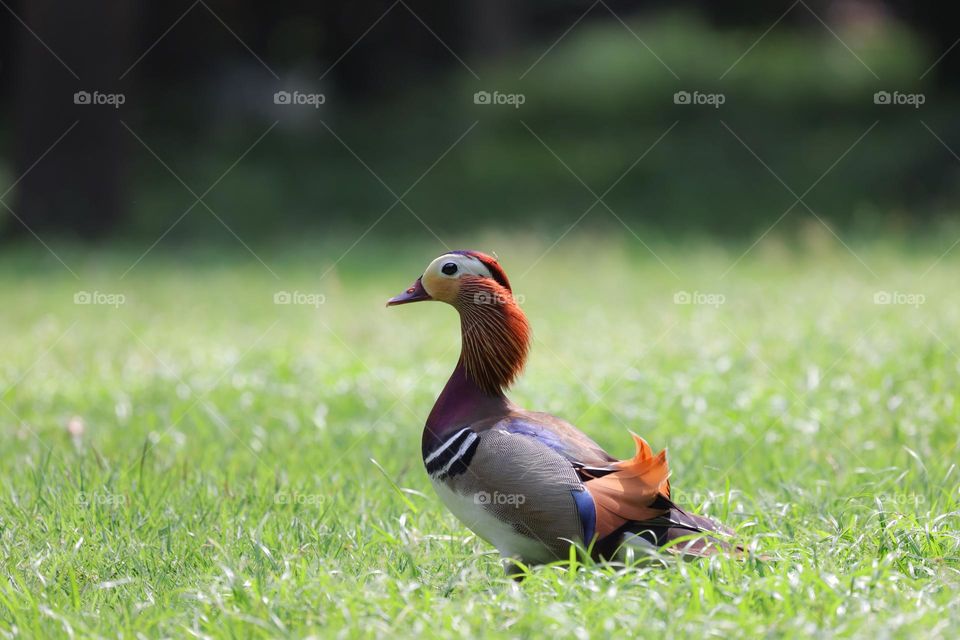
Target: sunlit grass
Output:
[{"x": 198, "y": 459}]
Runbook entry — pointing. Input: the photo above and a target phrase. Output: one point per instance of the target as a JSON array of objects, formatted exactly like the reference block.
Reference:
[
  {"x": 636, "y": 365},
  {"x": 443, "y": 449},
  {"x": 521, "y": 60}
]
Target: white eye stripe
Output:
[
  {"x": 465, "y": 264},
  {"x": 445, "y": 286}
]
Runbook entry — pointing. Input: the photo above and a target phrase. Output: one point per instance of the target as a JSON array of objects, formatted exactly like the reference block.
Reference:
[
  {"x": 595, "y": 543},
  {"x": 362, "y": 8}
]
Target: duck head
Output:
[
  {"x": 453, "y": 274},
  {"x": 495, "y": 332}
]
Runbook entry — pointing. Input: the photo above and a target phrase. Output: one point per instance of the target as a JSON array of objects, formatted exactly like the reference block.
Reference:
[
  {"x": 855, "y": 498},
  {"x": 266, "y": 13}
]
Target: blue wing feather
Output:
[{"x": 558, "y": 435}]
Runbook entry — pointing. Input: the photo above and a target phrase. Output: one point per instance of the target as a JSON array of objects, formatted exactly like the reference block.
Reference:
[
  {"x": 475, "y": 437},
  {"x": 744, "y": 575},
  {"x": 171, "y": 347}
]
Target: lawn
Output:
[{"x": 183, "y": 456}]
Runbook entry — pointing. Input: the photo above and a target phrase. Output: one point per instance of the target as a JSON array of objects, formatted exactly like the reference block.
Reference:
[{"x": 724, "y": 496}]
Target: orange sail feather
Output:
[{"x": 628, "y": 493}]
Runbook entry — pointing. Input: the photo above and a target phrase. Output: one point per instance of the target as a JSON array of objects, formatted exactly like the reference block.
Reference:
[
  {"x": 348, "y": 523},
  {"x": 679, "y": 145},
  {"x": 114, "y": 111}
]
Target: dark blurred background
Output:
[{"x": 148, "y": 120}]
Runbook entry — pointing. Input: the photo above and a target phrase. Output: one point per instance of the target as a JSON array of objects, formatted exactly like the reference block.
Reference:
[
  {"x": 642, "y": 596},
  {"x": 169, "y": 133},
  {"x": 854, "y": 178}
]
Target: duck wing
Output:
[
  {"x": 555, "y": 433},
  {"x": 631, "y": 498}
]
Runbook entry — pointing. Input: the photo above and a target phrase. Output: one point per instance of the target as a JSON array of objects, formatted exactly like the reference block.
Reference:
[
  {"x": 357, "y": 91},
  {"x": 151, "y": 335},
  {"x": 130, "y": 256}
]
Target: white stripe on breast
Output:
[
  {"x": 446, "y": 445},
  {"x": 470, "y": 439}
]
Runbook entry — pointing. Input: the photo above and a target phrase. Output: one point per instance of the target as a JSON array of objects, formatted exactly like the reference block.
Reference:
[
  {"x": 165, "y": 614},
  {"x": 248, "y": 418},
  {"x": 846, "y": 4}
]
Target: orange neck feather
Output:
[{"x": 495, "y": 334}]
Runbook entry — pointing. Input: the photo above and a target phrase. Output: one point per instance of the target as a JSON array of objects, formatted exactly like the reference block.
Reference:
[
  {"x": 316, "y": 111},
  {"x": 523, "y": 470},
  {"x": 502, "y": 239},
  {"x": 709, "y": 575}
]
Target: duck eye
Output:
[{"x": 449, "y": 268}]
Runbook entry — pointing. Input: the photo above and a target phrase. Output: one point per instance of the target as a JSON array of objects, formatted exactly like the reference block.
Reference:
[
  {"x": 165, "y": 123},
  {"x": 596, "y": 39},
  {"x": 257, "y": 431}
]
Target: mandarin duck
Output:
[{"x": 527, "y": 482}]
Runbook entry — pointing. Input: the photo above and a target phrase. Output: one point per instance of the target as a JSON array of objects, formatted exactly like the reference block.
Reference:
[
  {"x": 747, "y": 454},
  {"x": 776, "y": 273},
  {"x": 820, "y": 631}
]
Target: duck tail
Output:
[{"x": 632, "y": 500}]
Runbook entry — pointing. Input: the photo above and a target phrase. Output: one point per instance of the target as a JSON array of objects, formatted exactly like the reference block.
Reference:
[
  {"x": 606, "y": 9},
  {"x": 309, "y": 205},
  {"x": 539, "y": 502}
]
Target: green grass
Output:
[{"x": 223, "y": 482}]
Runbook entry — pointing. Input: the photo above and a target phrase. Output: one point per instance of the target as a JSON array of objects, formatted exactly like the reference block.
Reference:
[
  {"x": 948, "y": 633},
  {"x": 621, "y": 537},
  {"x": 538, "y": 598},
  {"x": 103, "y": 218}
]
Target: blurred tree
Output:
[
  {"x": 77, "y": 186},
  {"x": 495, "y": 27},
  {"x": 940, "y": 22},
  {"x": 203, "y": 74}
]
